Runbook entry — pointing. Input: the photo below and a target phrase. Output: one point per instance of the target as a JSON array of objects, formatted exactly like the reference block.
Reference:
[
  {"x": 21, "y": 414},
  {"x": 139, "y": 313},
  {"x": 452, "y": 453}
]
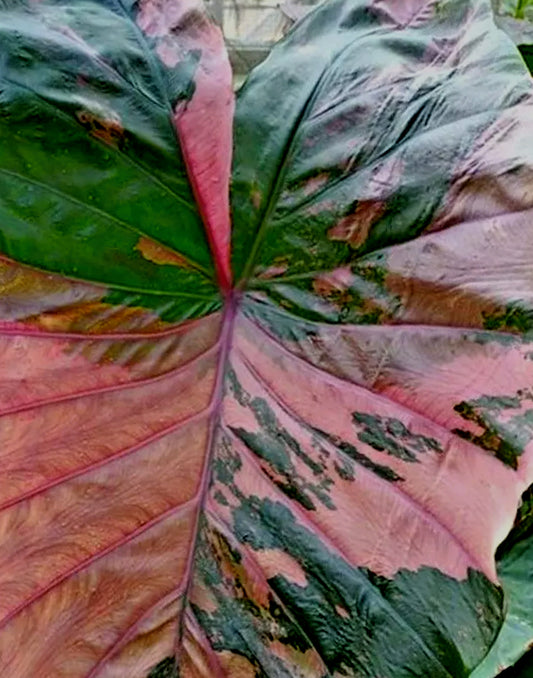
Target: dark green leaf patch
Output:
[{"x": 503, "y": 435}]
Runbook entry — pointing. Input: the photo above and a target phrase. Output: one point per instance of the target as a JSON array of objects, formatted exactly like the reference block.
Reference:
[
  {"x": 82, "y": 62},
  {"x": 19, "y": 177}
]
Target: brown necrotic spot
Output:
[
  {"x": 256, "y": 198},
  {"x": 354, "y": 228},
  {"x": 105, "y": 126},
  {"x": 334, "y": 285},
  {"x": 98, "y": 318}
]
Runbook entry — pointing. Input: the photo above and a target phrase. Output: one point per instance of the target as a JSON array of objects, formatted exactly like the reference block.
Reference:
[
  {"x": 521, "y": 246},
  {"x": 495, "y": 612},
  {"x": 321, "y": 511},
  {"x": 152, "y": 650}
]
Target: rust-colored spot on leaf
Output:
[
  {"x": 354, "y": 228},
  {"x": 342, "y": 612},
  {"x": 236, "y": 665},
  {"x": 333, "y": 283},
  {"x": 159, "y": 254},
  {"x": 98, "y": 318},
  {"x": 52, "y": 303},
  {"x": 105, "y": 126},
  {"x": 256, "y": 199}
]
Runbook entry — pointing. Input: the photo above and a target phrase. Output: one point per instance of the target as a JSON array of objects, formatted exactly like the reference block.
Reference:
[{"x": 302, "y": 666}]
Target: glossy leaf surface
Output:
[
  {"x": 308, "y": 473},
  {"x": 515, "y": 563}
]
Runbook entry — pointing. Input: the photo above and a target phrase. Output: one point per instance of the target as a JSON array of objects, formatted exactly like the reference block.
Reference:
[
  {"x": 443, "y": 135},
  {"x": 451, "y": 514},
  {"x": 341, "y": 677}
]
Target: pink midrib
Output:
[
  {"x": 230, "y": 313},
  {"x": 208, "y": 160}
]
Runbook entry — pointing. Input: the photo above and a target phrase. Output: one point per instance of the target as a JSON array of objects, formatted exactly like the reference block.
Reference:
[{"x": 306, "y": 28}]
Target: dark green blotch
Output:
[
  {"x": 184, "y": 73},
  {"x": 345, "y": 471},
  {"x": 233, "y": 385},
  {"x": 513, "y": 318},
  {"x": 485, "y": 338},
  {"x": 239, "y": 624},
  {"x": 390, "y": 435},
  {"x": 367, "y": 625},
  {"x": 352, "y": 452},
  {"x": 366, "y": 301},
  {"x": 274, "y": 453},
  {"x": 498, "y": 403},
  {"x": 527, "y": 54},
  {"x": 507, "y": 439},
  {"x": 220, "y": 498},
  {"x": 165, "y": 669},
  {"x": 268, "y": 421},
  {"x": 226, "y": 464},
  {"x": 277, "y": 322},
  {"x": 275, "y": 445}
]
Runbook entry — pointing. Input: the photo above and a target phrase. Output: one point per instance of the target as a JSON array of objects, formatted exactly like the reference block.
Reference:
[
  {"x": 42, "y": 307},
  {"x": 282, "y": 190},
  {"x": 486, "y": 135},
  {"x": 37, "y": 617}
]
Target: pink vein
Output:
[
  {"x": 339, "y": 552},
  {"x": 217, "y": 671},
  {"x": 218, "y": 393},
  {"x": 332, "y": 379},
  {"x": 225, "y": 529},
  {"x": 394, "y": 327},
  {"x": 111, "y": 459},
  {"x": 395, "y": 488},
  {"x": 27, "y": 332},
  {"x": 84, "y": 564},
  {"x": 294, "y": 507},
  {"x": 136, "y": 383},
  {"x": 131, "y": 630},
  {"x": 213, "y": 406},
  {"x": 122, "y": 336}
]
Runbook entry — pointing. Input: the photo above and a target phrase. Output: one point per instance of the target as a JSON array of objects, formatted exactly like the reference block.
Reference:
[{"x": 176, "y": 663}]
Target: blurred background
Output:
[{"x": 251, "y": 27}]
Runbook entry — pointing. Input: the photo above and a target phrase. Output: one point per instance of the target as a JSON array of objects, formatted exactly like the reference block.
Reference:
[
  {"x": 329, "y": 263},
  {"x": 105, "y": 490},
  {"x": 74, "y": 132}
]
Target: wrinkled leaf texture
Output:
[{"x": 298, "y": 464}]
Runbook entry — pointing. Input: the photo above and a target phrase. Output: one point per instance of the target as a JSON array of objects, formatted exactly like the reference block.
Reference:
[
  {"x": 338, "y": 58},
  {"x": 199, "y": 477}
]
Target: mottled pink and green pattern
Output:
[{"x": 272, "y": 426}]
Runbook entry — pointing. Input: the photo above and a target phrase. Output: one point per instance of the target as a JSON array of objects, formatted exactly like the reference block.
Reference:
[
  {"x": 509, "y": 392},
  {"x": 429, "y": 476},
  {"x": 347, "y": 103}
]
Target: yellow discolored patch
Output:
[
  {"x": 98, "y": 318},
  {"x": 159, "y": 254}
]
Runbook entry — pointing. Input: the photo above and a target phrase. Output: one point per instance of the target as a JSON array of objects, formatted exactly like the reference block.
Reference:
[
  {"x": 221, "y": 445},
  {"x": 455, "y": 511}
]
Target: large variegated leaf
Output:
[
  {"x": 305, "y": 475},
  {"x": 115, "y": 129}
]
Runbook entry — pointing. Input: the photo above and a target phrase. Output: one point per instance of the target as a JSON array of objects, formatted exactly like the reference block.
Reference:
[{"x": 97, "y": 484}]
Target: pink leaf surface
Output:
[
  {"x": 305, "y": 475},
  {"x": 204, "y": 123}
]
